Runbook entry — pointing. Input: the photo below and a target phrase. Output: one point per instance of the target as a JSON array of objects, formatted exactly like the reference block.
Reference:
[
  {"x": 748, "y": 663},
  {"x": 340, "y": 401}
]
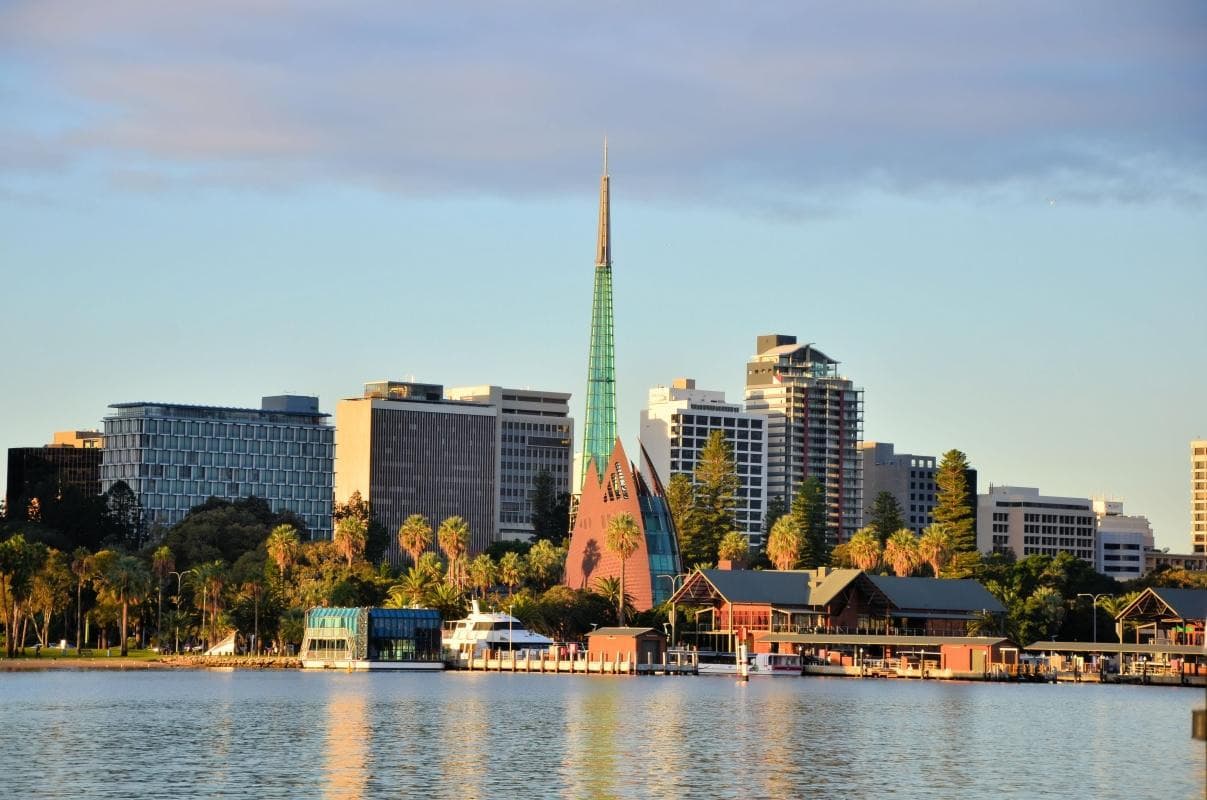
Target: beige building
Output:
[
  {"x": 1198, "y": 496},
  {"x": 85, "y": 439}
]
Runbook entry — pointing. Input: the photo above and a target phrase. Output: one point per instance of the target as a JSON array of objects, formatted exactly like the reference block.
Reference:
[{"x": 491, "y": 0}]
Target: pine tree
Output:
[
  {"x": 809, "y": 515},
  {"x": 716, "y": 486},
  {"x": 550, "y": 510},
  {"x": 776, "y": 508},
  {"x": 886, "y": 516}
]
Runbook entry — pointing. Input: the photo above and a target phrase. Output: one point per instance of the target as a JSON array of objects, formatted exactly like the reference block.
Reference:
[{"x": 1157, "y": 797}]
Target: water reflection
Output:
[
  {"x": 592, "y": 734},
  {"x": 348, "y": 734}
]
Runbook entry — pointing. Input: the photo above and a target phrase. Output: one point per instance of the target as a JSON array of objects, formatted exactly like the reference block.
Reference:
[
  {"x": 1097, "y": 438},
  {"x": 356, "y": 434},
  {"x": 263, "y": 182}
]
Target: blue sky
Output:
[{"x": 993, "y": 217}]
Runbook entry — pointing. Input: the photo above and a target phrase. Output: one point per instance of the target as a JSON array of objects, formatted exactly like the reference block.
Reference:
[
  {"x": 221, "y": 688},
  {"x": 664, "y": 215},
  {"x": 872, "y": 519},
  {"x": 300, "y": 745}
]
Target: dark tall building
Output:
[{"x": 72, "y": 461}]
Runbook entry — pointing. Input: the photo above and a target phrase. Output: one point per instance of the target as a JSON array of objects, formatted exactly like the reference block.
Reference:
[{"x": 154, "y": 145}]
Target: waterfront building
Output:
[
  {"x": 175, "y": 457},
  {"x": 676, "y": 425},
  {"x": 72, "y": 461},
  {"x": 814, "y": 426},
  {"x": 1198, "y": 496},
  {"x": 637, "y": 645},
  {"x": 1019, "y": 519},
  {"x": 372, "y": 639},
  {"x": 1121, "y": 541},
  {"x": 599, "y": 429},
  {"x": 1162, "y": 615},
  {"x": 1156, "y": 559},
  {"x": 650, "y": 572},
  {"x": 533, "y": 434},
  {"x": 407, "y": 450}
]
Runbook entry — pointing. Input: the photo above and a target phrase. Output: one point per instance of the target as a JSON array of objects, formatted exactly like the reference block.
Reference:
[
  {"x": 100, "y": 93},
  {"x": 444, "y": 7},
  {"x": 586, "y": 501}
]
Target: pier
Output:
[{"x": 581, "y": 664}]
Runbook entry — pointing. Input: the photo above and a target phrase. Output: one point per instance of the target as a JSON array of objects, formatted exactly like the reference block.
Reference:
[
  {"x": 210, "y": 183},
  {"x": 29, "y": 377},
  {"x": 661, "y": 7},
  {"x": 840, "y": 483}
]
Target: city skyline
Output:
[{"x": 1003, "y": 245}]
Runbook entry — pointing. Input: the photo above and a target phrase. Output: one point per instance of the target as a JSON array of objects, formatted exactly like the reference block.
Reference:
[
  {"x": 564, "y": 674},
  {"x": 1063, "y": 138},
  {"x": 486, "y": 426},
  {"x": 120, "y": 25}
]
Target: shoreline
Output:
[{"x": 119, "y": 664}]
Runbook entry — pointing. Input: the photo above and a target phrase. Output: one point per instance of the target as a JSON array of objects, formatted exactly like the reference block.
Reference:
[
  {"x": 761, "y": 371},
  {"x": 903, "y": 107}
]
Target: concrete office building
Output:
[
  {"x": 533, "y": 434},
  {"x": 676, "y": 426},
  {"x": 909, "y": 478},
  {"x": 175, "y": 457},
  {"x": 1019, "y": 519},
  {"x": 1121, "y": 542},
  {"x": 72, "y": 461},
  {"x": 407, "y": 451},
  {"x": 1198, "y": 496},
  {"x": 814, "y": 426}
]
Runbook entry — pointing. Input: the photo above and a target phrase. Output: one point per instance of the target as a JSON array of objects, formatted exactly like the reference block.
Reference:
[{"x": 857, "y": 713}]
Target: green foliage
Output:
[
  {"x": 377, "y": 538},
  {"x": 415, "y": 536},
  {"x": 886, "y": 518},
  {"x": 776, "y": 508},
  {"x": 680, "y": 497},
  {"x": 546, "y": 563},
  {"x": 219, "y": 529},
  {"x": 623, "y": 538},
  {"x": 952, "y": 509},
  {"x": 350, "y": 538},
  {"x": 809, "y": 515},
  {"x": 511, "y": 570},
  {"x": 482, "y": 572},
  {"x": 864, "y": 549},
  {"x": 901, "y": 552},
  {"x": 19, "y": 562},
  {"x": 934, "y": 548},
  {"x": 550, "y": 509},
  {"x": 715, "y": 487},
  {"x": 784, "y": 543},
  {"x": 566, "y": 614},
  {"x": 734, "y": 547}
]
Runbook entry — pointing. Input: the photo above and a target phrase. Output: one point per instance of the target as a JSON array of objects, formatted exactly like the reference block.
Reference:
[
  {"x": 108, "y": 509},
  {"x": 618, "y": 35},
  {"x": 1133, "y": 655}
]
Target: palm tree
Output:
[
  {"x": 412, "y": 590},
  {"x": 124, "y": 581},
  {"x": 283, "y": 545},
  {"x": 864, "y": 549},
  {"x": 414, "y": 536},
  {"x": 162, "y": 563},
  {"x": 211, "y": 577},
  {"x": 253, "y": 590},
  {"x": 82, "y": 568},
  {"x": 482, "y": 573},
  {"x": 784, "y": 543},
  {"x": 610, "y": 589},
  {"x": 448, "y": 600},
  {"x": 623, "y": 537},
  {"x": 901, "y": 552},
  {"x": 934, "y": 548},
  {"x": 511, "y": 570},
  {"x": 350, "y": 538},
  {"x": 176, "y": 621},
  {"x": 734, "y": 547},
  {"x": 454, "y": 541}
]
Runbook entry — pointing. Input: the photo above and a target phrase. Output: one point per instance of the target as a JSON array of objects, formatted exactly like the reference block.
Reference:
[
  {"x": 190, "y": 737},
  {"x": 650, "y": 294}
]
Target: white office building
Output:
[
  {"x": 1122, "y": 541},
  {"x": 533, "y": 433},
  {"x": 675, "y": 427},
  {"x": 175, "y": 457},
  {"x": 1021, "y": 520},
  {"x": 1198, "y": 496}
]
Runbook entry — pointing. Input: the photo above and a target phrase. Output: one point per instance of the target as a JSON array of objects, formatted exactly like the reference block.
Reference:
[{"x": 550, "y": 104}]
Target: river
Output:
[{"x": 281, "y": 734}]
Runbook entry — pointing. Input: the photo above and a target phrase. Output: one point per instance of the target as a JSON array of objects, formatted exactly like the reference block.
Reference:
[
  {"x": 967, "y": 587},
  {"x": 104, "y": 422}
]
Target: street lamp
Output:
[
  {"x": 1094, "y": 608},
  {"x": 176, "y": 631},
  {"x": 674, "y": 588}
]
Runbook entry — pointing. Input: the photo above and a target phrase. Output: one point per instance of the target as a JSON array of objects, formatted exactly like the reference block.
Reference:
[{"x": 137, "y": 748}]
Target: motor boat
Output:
[
  {"x": 494, "y": 631},
  {"x": 760, "y": 664}
]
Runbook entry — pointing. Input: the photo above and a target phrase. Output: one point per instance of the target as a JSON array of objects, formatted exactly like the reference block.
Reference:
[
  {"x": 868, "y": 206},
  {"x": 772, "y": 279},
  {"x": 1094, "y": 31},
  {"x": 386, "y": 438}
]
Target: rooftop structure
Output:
[
  {"x": 599, "y": 429},
  {"x": 1121, "y": 542}
]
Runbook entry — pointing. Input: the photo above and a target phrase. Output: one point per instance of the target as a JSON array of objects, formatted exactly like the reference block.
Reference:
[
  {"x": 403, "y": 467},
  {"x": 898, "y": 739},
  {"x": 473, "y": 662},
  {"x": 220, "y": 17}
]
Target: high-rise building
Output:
[
  {"x": 175, "y": 457},
  {"x": 814, "y": 425},
  {"x": 407, "y": 450},
  {"x": 599, "y": 429},
  {"x": 1121, "y": 541},
  {"x": 71, "y": 462},
  {"x": 533, "y": 434},
  {"x": 1019, "y": 519},
  {"x": 675, "y": 427},
  {"x": 1198, "y": 496},
  {"x": 908, "y": 478},
  {"x": 619, "y": 488}
]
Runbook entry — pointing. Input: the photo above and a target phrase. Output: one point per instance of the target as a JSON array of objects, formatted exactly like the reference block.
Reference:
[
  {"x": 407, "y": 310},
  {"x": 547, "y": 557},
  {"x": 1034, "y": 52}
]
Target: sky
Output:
[{"x": 994, "y": 217}]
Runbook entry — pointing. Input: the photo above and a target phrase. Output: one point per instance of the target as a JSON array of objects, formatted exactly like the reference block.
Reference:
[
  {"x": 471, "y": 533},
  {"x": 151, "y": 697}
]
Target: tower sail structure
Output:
[{"x": 599, "y": 432}]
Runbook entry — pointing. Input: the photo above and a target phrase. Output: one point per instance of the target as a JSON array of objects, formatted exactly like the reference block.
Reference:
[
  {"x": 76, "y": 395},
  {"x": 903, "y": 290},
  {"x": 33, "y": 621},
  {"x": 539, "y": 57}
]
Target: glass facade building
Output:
[
  {"x": 175, "y": 457},
  {"x": 385, "y": 635}
]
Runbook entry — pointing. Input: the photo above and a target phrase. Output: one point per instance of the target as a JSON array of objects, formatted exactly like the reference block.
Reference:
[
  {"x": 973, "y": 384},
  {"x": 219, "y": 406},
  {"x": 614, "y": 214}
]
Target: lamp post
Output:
[
  {"x": 674, "y": 588},
  {"x": 176, "y": 631},
  {"x": 1094, "y": 608}
]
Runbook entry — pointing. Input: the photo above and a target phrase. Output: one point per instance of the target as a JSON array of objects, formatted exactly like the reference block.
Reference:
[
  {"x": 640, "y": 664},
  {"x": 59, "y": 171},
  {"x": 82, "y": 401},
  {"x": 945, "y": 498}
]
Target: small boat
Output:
[
  {"x": 761, "y": 664},
  {"x": 494, "y": 631}
]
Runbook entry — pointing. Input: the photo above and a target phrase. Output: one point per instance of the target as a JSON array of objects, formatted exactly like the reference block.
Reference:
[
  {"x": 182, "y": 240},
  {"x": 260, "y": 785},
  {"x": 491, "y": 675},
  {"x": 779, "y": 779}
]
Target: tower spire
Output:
[{"x": 599, "y": 432}]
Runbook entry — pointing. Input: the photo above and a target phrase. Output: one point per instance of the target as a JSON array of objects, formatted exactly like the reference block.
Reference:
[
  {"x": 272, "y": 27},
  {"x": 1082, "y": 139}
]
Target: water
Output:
[{"x": 289, "y": 734}]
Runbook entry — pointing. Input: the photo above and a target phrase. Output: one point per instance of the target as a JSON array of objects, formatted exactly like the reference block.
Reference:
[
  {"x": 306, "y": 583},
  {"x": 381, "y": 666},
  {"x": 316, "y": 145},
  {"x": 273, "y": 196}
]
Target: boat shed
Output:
[{"x": 645, "y": 645}]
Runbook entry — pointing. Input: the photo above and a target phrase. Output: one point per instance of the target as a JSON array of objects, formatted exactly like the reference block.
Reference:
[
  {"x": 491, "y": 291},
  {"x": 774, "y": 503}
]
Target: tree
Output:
[
  {"x": 82, "y": 568},
  {"x": 901, "y": 552},
  {"x": 864, "y": 549},
  {"x": 623, "y": 538},
  {"x": 377, "y": 538},
  {"x": 19, "y": 562},
  {"x": 734, "y": 547},
  {"x": 611, "y": 589},
  {"x": 125, "y": 516},
  {"x": 50, "y": 591},
  {"x": 886, "y": 516},
  {"x": 934, "y": 548},
  {"x": 350, "y": 537},
  {"x": 784, "y": 543},
  {"x": 282, "y": 546},
  {"x": 448, "y": 600},
  {"x": 414, "y": 536},
  {"x": 716, "y": 485},
  {"x": 454, "y": 541},
  {"x": 952, "y": 507},
  {"x": 482, "y": 573},
  {"x": 680, "y": 497},
  {"x": 511, "y": 571},
  {"x": 211, "y": 577},
  {"x": 776, "y": 508},
  {"x": 546, "y": 563},
  {"x": 162, "y": 563},
  {"x": 124, "y": 580},
  {"x": 809, "y": 515},
  {"x": 550, "y": 509}
]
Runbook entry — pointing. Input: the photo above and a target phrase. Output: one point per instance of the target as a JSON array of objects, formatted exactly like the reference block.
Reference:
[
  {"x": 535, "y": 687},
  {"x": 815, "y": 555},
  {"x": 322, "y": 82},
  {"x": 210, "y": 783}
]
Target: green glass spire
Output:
[{"x": 599, "y": 433}]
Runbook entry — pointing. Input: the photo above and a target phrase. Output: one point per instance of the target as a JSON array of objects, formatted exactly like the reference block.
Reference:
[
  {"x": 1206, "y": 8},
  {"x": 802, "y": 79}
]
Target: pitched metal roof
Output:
[
  {"x": 1186, "y": 603},
  {"x": 931, "y": 594},
  {"x": 832, "y": 584},
  {"x": 760, "y": 586},
  {"x": 620, "y": 631},
  {"x": 1115, "y": 647}
]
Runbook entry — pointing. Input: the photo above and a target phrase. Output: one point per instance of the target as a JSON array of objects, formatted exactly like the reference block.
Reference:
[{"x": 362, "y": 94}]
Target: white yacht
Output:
[
  {"x": 491, "y": 630},
  {"x": 761, "y": 664}
]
